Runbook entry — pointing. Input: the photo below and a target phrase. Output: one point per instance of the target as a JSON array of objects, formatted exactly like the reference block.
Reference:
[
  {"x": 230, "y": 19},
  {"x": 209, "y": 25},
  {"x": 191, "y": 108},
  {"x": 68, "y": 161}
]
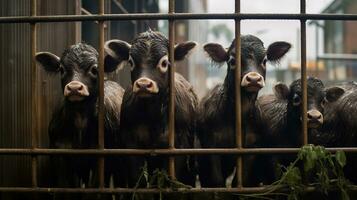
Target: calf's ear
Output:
[
  {"x": 216, "y": 52},
  {"x": 48, "y": 61},
  {"x": 281, "y": 91},
  {"x": 277, "y": 50},
  {"x": 334, "y": 93},
  {"x": 183, "y": 49},
  {"x": 117, "y": 51}
]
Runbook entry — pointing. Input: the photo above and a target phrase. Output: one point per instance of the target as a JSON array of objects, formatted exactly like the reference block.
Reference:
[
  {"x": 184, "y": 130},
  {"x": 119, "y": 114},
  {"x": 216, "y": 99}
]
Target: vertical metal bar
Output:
[
  {"x": 172, "y": 88},
  {"x": 101, "y": 96},
  {"x": 303, "y": 72},
  {"x": 317, "y": 49},
  {"x": 34, "y": 99},
  {"x": 238, "y": 106}
]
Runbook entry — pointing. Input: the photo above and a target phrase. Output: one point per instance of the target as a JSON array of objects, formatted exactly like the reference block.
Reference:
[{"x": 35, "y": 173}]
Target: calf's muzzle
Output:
[
  {"x": 145, "y": 86},
  {"x": 314, "y": 118},
  {"x": 253, "y": 82},
  {"x": 75, "y": 91}
]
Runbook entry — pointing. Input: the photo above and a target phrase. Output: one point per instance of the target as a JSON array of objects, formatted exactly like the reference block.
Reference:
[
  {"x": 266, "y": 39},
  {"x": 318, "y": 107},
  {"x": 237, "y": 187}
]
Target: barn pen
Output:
[{"x": 35, "y": 151}]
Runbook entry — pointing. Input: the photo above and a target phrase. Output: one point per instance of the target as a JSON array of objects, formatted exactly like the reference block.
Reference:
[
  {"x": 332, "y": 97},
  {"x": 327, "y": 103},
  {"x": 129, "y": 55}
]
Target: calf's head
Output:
[
  {"x": 317, "y": 96},
  {"x": 253, "y": 59},
  {"x": 78, "y": 67},
  {"x": 148, "y": 60}
]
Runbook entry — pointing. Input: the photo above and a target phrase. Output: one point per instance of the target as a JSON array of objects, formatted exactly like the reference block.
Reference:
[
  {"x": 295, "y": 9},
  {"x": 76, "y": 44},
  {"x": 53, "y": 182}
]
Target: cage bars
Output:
[{"x": 101, "y": 152}]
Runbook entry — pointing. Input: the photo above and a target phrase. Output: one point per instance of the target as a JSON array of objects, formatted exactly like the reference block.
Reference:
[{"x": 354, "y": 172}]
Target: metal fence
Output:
[{"x": 171, "y": 16}]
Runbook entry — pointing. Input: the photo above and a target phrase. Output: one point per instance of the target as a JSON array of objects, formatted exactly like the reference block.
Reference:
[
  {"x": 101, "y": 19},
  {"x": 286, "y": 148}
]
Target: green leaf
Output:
[
  {"x": 344, "y": 195},
  {"x": 341, "y": 158},
  {"x": 310, "y": 160}
]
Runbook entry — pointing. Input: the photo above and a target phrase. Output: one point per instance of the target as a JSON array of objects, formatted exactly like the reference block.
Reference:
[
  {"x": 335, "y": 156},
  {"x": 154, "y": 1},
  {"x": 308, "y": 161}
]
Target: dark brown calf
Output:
[
  {"x": 281, "y": 114},
  {"x": 74, "y": 124},
  {"x": 216, "y": 126},
  {"x": 144, "y": 119}
]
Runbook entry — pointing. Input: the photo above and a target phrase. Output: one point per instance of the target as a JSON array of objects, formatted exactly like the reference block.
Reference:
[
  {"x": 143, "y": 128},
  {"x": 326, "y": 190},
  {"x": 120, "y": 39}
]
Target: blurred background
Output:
[{"x": 331, "y": 54}]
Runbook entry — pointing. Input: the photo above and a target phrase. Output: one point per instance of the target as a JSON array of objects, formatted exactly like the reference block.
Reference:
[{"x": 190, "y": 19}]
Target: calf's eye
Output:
[
  {"x": 131, "y": 63},
  {"x": 265, "y": 62},
  {"x": 163, "y": 64},
  {"x": 232, "y": 62},
  {"x": 323, "y": 102},
  {"x": 94, "y": 70},
  {"x": 296, "y": 100}
]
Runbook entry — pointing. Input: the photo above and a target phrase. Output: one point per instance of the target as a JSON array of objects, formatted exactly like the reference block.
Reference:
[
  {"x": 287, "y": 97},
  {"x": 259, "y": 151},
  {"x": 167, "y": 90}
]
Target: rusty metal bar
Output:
[
  {"x": 238, "y": 105},
  {"x": 101, "y": 152},
  {"x": 34, "y": 97},
  {"x": 101, "y": 95},
  {"x": 159, "y": 152},
  {"x": 303, "y": 73},
  {"x": 172, "y": 87},
  {"x": 317, "y": 49},
  {"x": 164, "y": 16}
]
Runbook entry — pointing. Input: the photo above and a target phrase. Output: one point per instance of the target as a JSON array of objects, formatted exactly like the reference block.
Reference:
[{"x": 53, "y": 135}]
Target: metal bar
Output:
[
  {"x": 34, "y": 97},
  {"x": 316, "y": 50},
  {"x": 172, "y": 88},
  {"x": 85, "y": 11},
  {"x": 158, "y": 152},
  {"x": 164, "y": 16},
  {"x": 242, "y": 190},
  {"x": 303, "y": 73},
  {"x": 101, "y": 96},
  {"x": 238, "y": 105},
  {"x": 331, "y": 56}
]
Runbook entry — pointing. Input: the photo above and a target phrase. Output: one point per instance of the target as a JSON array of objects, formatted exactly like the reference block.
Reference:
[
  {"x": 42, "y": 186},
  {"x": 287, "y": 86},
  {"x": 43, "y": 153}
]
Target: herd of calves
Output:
[{"x": 137, "y": 117}]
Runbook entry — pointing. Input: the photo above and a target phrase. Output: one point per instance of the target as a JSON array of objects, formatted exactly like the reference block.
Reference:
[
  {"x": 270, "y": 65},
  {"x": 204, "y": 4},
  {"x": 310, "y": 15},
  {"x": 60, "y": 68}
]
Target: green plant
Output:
[
  {"x": 159, "y": 179},
  {"x": 321, "y": 170}
]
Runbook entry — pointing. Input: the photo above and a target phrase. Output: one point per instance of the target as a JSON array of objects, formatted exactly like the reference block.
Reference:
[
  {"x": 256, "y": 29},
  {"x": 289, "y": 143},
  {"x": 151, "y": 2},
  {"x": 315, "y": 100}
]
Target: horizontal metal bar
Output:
[
  {"x": 331, "y": 56},
  {"x": 241, "y": 190},
  {"x": 165, "y": 16},
  {"x": 158, "y": 152}
]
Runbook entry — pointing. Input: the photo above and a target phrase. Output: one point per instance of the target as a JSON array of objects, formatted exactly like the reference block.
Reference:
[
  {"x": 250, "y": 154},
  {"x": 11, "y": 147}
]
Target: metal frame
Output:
[{"x": 34, "y": 152}]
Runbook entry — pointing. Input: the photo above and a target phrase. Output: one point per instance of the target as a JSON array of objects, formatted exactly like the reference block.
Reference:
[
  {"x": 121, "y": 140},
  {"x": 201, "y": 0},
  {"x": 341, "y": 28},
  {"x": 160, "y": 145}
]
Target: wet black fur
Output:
[
  {"x": 216, "y": 122},
  {"x": 283, "y": 120},
  {"x": 340, "y": 127},
  {"x": 65, "y": 129},
  {"x": 144, "y": 120}
]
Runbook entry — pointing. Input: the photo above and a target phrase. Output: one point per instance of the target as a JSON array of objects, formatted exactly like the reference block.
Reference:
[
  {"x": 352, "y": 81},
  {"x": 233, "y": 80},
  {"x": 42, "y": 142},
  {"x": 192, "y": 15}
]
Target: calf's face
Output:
[
  {"x": 315, "y": 100},
  {"x": 78, "y": 67},
  {"x": 317, "y": 97},
  {"x": 253, "y": 59},
  {"x": 148, "y": 60}
]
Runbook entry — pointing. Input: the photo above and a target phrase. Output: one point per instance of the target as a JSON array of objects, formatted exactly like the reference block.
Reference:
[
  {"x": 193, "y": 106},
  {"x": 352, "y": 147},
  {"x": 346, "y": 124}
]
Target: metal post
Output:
[
  {"x": 172, "y": 88},
  {"x": 34, "y": 98},
  {"x": 101, "y": 96},
  {"x": 303, "y": 72},
  {"x": 238, "y": 107},
  {"x": 317, "y": 49}
]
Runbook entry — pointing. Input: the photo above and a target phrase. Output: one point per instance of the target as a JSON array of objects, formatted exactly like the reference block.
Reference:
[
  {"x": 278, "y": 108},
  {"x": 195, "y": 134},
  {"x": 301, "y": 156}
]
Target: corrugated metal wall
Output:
[
  {"x": 15, "y": 76},
  {"x": 15, "y": 85}
]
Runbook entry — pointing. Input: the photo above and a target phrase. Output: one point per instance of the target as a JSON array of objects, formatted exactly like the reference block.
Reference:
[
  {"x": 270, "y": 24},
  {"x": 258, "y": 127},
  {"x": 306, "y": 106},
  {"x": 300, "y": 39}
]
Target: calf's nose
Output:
[
  {"x": 254, "y": 78},
  {"x": 314, "y": 114},
  {"x": 75, "y": 88},
  {"x": 253, "y": 82},
  {"x": 314, "y": 118},
  {"x": 145, "y": 85}
]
